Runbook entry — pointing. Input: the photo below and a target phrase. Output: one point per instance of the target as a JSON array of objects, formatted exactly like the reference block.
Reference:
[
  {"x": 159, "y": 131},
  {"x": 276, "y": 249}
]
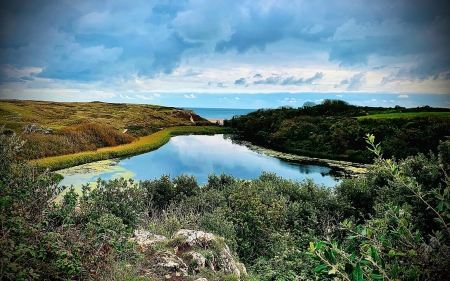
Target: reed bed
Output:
[{"x": 142, "y": 145}]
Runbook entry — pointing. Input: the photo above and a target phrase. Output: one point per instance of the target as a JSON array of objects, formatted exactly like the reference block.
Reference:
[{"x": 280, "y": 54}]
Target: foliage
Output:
[
  {"x": 391, "y": 245},
  {"x": 395, "y": 221},
  {"x": 330, "y": 130}
]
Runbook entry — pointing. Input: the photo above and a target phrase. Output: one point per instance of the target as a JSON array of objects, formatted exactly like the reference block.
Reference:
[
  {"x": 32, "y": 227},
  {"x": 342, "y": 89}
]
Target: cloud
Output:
[
  {"x": 403, "y": 97},
  {"x": 167, "y": 55},
  {"x": 191, "y": 72},
  {"x": 156, "y": 95},
  {"x": 256, "y": 29},
  {"x": 236, "y": 98},
  {"x": 107, "y": 44},
  {"x": 278, "y": 80},
  {"x": 126, "y": 97},
  {"x": 270, "y": 80},
  {"x": 221, "y": 85},
  {"x": 379, "y": 67},
  {"x": 144, "y": 97},
  {"x": 343, "y": 82},
  {"x": 357, "y": 81},
  {"x": 240, "y": 81},
  {"x": 339, "y": 96},
  {"x": 191, "y": 96}
]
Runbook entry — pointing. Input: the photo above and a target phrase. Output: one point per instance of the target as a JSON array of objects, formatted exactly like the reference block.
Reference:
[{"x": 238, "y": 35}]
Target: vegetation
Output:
[
  {"x": 139, "y": 119},
  {"x": 141, "y": 145},
  {"x": 59, "y": 135},
  {"x": 391, "y": 224},
  {"x": 331, "y": 130}
]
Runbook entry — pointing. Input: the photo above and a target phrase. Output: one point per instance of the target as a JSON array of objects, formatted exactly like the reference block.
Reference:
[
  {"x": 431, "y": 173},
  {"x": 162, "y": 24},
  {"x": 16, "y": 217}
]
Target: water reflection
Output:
[{"x": 199, "y": 156}]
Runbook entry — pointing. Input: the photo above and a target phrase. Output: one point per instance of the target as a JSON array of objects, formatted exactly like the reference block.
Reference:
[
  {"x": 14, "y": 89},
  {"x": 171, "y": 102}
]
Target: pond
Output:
[{"x": 197, "y": 155}]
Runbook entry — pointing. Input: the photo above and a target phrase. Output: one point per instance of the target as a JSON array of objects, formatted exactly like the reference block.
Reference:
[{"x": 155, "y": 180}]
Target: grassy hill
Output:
[
  {"x": 140, "y": 119},
  {"x": 63, "y": 134}
]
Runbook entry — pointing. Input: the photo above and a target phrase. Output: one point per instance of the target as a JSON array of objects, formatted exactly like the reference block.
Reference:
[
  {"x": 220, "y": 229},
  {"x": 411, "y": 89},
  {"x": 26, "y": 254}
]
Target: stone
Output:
[{"x": 146, "y": 239}]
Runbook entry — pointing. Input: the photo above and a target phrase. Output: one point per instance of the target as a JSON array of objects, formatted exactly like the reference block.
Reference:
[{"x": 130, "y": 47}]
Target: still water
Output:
[{"x": 198, "y": 156}]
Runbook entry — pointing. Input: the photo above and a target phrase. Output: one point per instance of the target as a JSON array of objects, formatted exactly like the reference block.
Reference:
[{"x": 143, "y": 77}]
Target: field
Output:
[
  {"x": 139, "y": 118},
  {"x": 404, "y": 115}
]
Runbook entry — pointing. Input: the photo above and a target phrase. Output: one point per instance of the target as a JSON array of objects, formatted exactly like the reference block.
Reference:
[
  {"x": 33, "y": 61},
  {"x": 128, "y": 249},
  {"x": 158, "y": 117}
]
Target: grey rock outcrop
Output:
[{"x": 188, "y": 252}]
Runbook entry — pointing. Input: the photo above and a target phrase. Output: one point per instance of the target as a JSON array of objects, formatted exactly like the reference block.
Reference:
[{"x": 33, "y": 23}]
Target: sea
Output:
[{"x": 219, "y": 113}]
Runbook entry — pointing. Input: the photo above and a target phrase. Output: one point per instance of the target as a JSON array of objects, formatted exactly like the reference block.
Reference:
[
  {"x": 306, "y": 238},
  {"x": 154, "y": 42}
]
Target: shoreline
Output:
[
  {"x": 216, "y": 121},
  {"x": 143, "y": 145},
  {"x": 344, "y": 168}
]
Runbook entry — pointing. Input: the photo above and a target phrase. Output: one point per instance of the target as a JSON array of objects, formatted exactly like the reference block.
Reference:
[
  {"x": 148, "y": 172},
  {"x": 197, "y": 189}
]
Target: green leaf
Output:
[
  {"x": 376, "y": 276},
  {"x": 412, "y": 253},
  {"x": 358, "y": 273},
  {"x": 320, "y": 268},
  {"x": 374, "y": 254},
  {"x": 363, "y": 232},
  {"x": 417, "y": 238},
  {"x": 352, "y": 237},
  {"x": 352, "y": 256},
  {"x": 391, "y": 253},
  {"x": 439, "y": 207},
  {"x": 383, "y": 238},
  {"x": 320, "y": 244}
]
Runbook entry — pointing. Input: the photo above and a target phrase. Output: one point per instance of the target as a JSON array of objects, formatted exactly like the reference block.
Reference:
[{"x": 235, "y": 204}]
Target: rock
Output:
[
  {"x": 199, "y": 261},
  {"x": 188, "y": 252},
  {"x": 192, "y": 237},
  {"x": 227, "y": 263},
  {"x": 146, "y": 239},
  {"x": 201, "y": 279}
]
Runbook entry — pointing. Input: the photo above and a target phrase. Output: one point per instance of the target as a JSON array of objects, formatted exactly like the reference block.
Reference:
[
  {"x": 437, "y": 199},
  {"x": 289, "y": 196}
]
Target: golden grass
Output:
[
  {"x": 144, "y": 144},
  {"x": 15, "y": 114}
]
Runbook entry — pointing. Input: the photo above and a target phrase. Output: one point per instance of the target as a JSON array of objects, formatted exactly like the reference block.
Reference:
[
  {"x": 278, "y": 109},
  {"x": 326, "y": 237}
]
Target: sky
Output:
[{"x": 227, "y": 54}]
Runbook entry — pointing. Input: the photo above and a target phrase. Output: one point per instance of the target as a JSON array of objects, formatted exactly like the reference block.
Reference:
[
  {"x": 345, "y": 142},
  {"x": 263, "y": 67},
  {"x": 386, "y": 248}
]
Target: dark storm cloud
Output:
[
  {"x": 167, "y": 55},
  {"x": 257, "y": 30},
  {"x": 98, "y": 40},
  {"x": 240, "y": 81}
]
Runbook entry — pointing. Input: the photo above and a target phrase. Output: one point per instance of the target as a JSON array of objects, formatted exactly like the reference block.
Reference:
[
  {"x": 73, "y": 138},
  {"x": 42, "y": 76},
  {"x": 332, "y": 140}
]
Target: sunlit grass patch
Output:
[{"x": 404, "y": 115}]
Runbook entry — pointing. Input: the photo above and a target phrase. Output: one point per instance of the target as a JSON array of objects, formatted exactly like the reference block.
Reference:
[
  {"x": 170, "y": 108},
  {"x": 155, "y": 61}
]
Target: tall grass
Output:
[
  {"x": 142, "y": 145},
  {"x": 73, "y": 139}
]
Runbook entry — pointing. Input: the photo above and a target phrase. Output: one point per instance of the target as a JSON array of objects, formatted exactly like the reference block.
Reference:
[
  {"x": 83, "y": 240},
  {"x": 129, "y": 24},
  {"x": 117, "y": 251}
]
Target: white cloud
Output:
[
  {"x": 156, "y": 95},
  {"x": 403, "y": 96},
  {"x": 340, "y": 96},
  {"x": 236, "y": 98},
  {"x": 373, "y": 100},
  {"x": 144, "y": 97},
  {"x": 191, "y": 96}
]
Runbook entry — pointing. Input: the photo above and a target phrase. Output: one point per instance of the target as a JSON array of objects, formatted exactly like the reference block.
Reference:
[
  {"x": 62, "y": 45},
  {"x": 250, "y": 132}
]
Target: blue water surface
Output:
[
  {"x": 201, "y": 155},
  {"x": 220, "y": 113}
]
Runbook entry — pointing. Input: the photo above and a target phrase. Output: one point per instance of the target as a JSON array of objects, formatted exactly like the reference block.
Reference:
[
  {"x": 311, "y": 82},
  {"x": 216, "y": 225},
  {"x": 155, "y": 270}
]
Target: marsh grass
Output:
[
  {"x": 142, "y": 145},
  {"x": 73, "y": 139}
]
